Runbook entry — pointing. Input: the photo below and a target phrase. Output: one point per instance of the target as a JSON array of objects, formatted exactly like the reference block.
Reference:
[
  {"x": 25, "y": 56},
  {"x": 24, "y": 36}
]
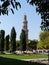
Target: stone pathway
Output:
[{"x": 39, "y": 60}]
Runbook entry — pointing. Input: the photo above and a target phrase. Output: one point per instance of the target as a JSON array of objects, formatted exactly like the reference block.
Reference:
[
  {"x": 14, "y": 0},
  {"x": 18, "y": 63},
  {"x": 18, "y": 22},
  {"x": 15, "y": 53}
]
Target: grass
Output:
[
  {"x": 24, "y": 56},
  {"x": 9, "y": 61},
  {"x": 15, "y": 59}
]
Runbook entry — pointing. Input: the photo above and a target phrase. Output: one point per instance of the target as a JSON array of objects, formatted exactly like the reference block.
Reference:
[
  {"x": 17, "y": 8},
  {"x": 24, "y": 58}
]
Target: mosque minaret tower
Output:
[{"x": 25, "y": 26}]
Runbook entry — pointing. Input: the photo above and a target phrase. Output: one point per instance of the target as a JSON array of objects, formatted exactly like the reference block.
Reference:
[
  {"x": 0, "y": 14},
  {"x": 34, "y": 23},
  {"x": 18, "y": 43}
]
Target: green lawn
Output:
[
  {"x": 8, "y": 61},
  {"x": 15, "y": 59},
  {"x": 24, "y": 56}
]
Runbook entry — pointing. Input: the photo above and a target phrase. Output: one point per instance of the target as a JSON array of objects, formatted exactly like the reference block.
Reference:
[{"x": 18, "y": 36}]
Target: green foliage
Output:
[
  {"x": 32, "y": 44},
  {"x": 23, "y": 40},
  {"x": 2, "y": 34},
  {"x": 44, "y": 40},
  {"x": 42, "y": 7},
  {"x": 40, "y": 45},
  {"x": 44, "y": 35},
  {"x": 13, "y": 39},
  {"x": 18, "y": 45},
  {"x": 6, "y": 5},
  {"x": 7, "y": 42}
]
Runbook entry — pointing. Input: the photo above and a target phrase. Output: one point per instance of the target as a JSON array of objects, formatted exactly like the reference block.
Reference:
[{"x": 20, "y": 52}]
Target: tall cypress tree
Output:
[
  {"x": 0, "y": 40},
  {"x": 13, "y": 39},
  {"x": 7, "y": 42},
  {"x": 23, "y": 40},
  {"x": 2, "y": 34}
]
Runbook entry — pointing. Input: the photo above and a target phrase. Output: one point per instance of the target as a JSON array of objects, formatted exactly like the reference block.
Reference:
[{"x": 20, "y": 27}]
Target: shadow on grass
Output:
[{"x": 8, "y": 61}]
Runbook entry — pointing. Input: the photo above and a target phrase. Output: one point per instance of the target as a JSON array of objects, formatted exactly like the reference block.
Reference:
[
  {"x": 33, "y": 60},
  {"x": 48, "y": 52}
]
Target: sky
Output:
[{"x": 16, "y": 20}]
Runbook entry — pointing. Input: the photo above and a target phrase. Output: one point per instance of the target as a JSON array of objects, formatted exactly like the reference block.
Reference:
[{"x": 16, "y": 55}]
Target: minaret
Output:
[{"x": 25, "y": 27}]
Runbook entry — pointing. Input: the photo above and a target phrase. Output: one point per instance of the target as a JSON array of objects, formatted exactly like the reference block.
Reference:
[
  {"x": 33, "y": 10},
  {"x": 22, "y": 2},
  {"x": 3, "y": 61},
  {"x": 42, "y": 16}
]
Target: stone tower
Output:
[{"x": 25, "y": 27}]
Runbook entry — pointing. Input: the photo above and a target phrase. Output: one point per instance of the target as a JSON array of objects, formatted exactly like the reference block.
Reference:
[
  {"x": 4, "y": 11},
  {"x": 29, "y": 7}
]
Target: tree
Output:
[
  {"x": 43, "y": 35},
  {"x": 7, "y": 42},
  {"x": 23, "y": 40},
  {"x": 44, "y": 40},
  {"x": 32, "y": 44},
  {"x": 18, "y": 45},
  {"x": 7, "y": 5},
  {"x": 40, "y": 45},
  {"x": 2, "y": 34},
  {"x": 13, "y": 39},
  {"x": 42, "y": 7}
]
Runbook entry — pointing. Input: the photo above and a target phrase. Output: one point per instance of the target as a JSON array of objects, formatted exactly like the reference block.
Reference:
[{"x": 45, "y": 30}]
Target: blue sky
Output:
[{"x": 34, "y": 20}]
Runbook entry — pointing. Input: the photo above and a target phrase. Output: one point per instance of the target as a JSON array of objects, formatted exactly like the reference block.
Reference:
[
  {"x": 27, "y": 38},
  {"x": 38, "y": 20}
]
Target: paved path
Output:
[{"x": 39, "y": 60}]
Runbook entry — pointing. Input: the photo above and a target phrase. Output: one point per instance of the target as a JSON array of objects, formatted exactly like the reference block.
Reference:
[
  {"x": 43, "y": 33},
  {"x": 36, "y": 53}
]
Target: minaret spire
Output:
[
  {"x": 25, "y": 17},
  {"x": 25, "y": 26}
]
